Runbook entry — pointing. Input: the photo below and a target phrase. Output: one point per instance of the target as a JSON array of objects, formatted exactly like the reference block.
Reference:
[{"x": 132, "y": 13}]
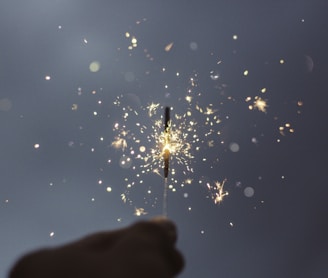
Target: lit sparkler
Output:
[
  {"x": 166, "y": 154},
  {"x": 167, "y": 141},
  {"x": 192, "y": 138}
]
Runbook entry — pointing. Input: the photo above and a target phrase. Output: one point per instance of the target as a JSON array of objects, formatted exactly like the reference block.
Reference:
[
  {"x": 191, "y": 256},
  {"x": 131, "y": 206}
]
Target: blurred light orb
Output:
[
  {"x": 94, "y": 66},
  {"x": 234, "y": 147},
  {"x": 249, "y": 192},
  {"x": 109, "y": 189},
  {"x": 193, "y": 46},
  {"x": 5, "y": 104},
  {"x": 71, "y": 144},
  {"x": 142, "y": 149},
  {"x": 36, "y": 146},
  {"x": 125, "y": 162}
]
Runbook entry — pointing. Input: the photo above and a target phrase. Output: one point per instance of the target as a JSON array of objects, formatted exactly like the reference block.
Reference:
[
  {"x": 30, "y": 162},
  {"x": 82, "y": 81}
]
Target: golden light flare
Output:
[
  {"x": 188, "y": 98},
  {"x": 140, "y": 212},
  {"x": 197, "y": 135},
  {"x": 193, "y": 133},
  {"x": 119, "y": 143},
  {"x": 152, "y": 108},
  {"x": 258, "y": 103},
  {"x": 217, "y": 191},
  {"x": 181, "y": 140},
  {"x": 168, "y": 47}
]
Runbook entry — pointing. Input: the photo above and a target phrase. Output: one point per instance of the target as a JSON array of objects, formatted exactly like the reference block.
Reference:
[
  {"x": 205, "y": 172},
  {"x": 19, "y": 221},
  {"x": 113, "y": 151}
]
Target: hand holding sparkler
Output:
[{"x": 145, "y": 249}]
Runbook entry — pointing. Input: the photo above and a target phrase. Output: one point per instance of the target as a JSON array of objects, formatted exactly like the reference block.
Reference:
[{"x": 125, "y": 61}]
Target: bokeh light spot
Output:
[
  {"x": 94, "y": 66},
  {"x": 5, "y": 104},
  {"x": 193, "y": 46},
  {"x": 234, "y": 147},
  {"x": 249, "y": 191}
]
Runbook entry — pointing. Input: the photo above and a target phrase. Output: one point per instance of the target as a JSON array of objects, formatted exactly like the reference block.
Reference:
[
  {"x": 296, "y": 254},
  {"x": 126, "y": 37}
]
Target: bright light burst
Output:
[
  {"x": 141, "y": 136},
  {"x": 183, "y": 134},
  {"x": 198, "y": 127},
  {"x": 217, "y": 191}
]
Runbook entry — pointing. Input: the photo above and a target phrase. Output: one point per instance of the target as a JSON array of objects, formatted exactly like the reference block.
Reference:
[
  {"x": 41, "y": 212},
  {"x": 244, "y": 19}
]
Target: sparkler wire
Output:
[{"x": 165, "y": 197}]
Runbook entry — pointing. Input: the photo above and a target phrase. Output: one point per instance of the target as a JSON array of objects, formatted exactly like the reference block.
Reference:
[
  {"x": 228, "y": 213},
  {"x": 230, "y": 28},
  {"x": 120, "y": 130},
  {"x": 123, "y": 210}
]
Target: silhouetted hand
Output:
[{"x": 145, "y": 249}]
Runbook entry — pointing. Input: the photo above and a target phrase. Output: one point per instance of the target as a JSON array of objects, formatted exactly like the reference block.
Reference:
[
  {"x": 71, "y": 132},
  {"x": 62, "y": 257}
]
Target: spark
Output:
[
  {"x": 119, "y": 143},
  {"x": 168, "y": 47},
  {"x": 139, "y": 211},
  {"x": 189, "y": 98},
  {"x": 260, "y": 104},
  {"x": 152, "y": 108},
  {"x": 286, "y": 128},
  {"x": 217, "y": 191}
]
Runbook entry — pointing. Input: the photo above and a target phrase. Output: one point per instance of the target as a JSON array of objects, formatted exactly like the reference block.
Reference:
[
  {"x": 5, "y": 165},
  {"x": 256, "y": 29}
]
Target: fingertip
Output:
[{"x": 168, "y": 226}]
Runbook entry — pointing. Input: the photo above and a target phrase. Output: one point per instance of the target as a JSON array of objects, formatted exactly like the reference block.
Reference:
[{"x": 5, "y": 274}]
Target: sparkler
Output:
[
  {"x": 166, "y": 154},
  {"x": 167, "y": 135},
  {"x": 151, "y": 143}
]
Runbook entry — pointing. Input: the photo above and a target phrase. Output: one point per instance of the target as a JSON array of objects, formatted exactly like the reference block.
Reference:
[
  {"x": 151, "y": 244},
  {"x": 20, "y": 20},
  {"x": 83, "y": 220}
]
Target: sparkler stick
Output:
[
  {"x": 166, "y": 155},
  {"x": 166, "y": 150}
]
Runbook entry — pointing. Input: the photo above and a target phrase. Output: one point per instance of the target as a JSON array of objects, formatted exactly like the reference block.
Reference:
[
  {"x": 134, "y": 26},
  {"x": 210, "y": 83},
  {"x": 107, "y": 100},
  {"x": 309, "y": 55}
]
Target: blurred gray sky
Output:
[{"x": 54, "y": 165}]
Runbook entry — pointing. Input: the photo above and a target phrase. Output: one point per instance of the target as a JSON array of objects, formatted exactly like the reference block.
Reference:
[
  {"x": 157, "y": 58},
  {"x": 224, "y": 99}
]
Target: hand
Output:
[{"x": 145, "y": 249}]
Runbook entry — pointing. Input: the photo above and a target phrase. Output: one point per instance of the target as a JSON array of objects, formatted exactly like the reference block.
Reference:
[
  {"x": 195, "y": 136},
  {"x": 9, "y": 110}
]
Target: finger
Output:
[
  {"x": 160, "y": 235},
  {"x": 101, "y": 241},
  {"x": 168, "y": 225}
]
